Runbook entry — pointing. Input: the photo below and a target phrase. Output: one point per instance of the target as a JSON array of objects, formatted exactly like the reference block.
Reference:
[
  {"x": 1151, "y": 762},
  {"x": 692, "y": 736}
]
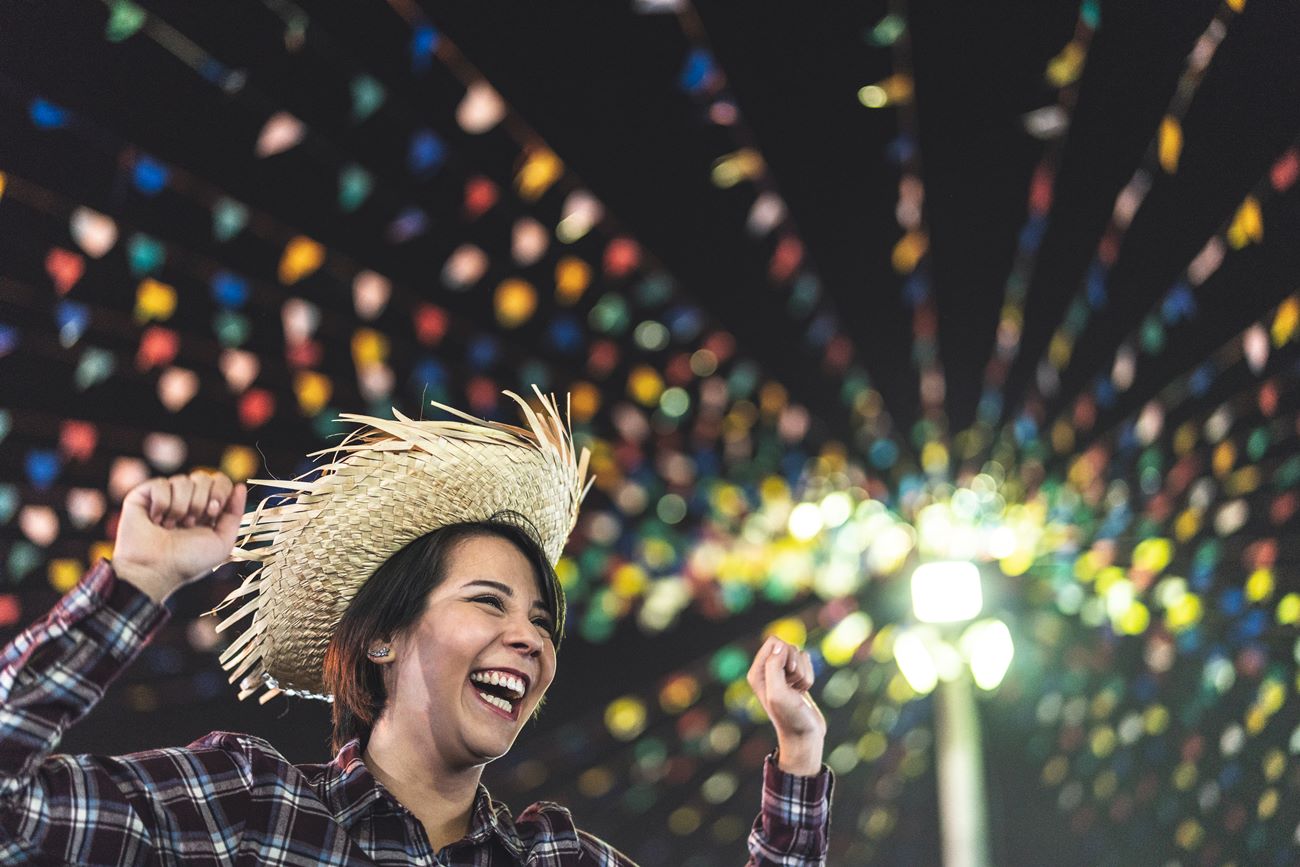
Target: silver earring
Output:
[{"x": 377, "y": 654}]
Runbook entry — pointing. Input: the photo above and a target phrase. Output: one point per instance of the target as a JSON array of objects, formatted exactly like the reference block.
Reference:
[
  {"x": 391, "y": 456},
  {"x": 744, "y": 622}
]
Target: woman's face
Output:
[{"x": 472, "y": 669}]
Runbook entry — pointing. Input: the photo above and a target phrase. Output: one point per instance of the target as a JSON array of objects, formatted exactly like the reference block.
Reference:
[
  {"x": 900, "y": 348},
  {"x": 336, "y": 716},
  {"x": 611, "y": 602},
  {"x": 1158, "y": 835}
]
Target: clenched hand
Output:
[{"x": 175, "y": 530}]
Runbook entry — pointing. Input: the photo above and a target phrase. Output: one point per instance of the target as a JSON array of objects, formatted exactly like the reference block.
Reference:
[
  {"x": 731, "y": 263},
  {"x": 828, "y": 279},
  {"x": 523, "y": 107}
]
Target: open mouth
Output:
[{"x": 501, "y": 690}]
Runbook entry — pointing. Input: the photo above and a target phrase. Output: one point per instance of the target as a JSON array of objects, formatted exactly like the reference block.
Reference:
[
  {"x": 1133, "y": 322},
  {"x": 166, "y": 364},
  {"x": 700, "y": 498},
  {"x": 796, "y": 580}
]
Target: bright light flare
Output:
[
  {"x": 805, "y": 521},
  {"x": 946, "y": 592},
  {"x": 1001, "y": 542},
  {"x": 988, "y": 647},
  {"x": 915, "y": 662},
  {"x": 844, "y": 639},
  {"x": 836, "y": 508},
  {"x": 890, "y": 549}
]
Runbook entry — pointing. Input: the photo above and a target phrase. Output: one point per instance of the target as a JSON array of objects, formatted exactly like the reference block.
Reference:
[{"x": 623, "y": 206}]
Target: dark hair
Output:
[{"x": 392, "y": 600}]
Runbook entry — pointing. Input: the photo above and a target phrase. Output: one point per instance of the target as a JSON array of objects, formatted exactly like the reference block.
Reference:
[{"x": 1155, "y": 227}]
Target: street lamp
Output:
[{"x": 939, "y": 653}]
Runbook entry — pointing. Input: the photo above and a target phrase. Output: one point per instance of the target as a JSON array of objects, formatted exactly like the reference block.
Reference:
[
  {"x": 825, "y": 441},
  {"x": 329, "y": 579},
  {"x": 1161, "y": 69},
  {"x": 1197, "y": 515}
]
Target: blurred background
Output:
[{"x": 837, "y": 291}]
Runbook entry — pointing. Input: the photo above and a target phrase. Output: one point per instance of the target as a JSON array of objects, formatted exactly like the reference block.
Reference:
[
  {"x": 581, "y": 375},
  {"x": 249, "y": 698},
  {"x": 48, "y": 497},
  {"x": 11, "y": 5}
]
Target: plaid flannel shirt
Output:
[{"x": 233, "y": 799}]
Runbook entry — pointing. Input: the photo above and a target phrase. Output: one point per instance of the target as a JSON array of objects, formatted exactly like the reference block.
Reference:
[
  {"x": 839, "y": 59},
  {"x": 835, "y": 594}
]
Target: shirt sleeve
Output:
[
  {"x": 793, "y": 827},
  {"x": 51, "y": 675}
]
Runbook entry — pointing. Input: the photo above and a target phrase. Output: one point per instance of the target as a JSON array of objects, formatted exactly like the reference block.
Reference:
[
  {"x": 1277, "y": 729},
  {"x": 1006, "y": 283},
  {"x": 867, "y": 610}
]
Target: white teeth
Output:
[
  {"x": 498, "y": 702},
  {"x": 497, "y": 678}
]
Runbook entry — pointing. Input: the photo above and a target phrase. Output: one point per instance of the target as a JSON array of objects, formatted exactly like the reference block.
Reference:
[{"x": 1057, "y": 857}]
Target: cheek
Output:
[
  {"x": 547, "y": 675},
  {"x": 432, "y": 665}
]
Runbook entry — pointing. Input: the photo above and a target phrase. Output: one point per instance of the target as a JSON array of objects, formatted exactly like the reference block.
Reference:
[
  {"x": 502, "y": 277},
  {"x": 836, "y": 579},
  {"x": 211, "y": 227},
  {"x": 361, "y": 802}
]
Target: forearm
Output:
[
  {"x": 155, "y": 587},
  {"x": 801, "y": 756},
  {"x": 55, "y": 671}
]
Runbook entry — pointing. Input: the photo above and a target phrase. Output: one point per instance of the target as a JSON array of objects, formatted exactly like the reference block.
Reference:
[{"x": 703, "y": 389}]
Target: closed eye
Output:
[
  {"x": 543, "y": 623},
  {"x": 494, "y": 601}
]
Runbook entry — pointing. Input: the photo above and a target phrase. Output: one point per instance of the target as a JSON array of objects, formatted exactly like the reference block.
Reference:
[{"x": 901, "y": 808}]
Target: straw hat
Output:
[{"x": 387, "y": 483}]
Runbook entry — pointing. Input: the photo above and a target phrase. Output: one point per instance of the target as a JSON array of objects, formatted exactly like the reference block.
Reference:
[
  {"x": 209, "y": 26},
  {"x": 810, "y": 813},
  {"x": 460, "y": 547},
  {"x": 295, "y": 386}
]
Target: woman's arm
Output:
[
  {"x": 51, "y": 675},
  {"x": 90, "y": 809},
  {"x": 793, "y": 825}
]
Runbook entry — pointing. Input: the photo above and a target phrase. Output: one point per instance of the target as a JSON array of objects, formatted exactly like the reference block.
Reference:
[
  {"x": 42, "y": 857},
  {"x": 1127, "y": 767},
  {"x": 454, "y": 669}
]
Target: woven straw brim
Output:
[{"x": 387, "y": 483}]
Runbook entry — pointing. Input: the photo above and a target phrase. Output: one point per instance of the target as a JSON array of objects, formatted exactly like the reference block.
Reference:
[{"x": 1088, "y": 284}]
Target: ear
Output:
[{"x": 381, "y": 652}]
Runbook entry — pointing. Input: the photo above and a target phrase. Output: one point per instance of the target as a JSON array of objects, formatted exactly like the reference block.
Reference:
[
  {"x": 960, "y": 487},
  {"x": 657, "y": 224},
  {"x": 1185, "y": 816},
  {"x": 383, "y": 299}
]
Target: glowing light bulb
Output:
[{"x": 946, "y": 592}]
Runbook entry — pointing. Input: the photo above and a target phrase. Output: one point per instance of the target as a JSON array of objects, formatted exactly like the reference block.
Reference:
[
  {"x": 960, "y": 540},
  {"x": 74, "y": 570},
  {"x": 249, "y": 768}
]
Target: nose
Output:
[{"x": 521, "y": 635}]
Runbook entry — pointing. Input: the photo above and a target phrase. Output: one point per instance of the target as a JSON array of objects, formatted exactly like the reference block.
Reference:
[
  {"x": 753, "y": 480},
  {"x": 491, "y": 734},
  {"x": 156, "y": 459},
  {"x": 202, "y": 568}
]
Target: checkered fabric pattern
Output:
[{"x": 233, "y": 799}]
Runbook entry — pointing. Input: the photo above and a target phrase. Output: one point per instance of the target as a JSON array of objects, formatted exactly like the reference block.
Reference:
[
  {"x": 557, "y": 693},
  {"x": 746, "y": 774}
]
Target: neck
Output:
[{"x": 439, "y": 795}]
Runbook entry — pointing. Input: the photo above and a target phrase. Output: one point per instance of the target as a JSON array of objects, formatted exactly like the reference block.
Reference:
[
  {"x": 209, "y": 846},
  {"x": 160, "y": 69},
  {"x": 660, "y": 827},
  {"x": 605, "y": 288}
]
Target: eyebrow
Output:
[{"x": 506, "y": 589}]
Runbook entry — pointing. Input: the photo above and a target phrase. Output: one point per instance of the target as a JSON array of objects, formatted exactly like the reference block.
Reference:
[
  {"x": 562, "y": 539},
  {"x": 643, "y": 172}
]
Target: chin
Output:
[{"x": 489, "y": 752}]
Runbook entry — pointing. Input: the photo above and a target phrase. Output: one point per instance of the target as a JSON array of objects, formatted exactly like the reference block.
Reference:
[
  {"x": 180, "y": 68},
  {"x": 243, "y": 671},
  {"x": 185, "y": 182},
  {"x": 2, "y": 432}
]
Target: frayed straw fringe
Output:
[{"x": 386, "y": 483}]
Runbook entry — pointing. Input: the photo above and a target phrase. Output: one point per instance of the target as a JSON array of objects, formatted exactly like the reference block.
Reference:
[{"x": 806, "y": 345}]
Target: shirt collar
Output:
[
  {"x": 350, "y": 791},
  {"x": 347, "y": 786},
  {"x": 492, "y": 819}
]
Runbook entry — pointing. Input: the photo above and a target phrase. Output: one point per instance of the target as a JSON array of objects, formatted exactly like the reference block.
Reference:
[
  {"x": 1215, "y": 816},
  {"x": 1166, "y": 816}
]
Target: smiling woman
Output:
[
  {"x": 393, "y": 601},
  {"x": 449, "y": 686},
  {"x": 412, "y": 583}
]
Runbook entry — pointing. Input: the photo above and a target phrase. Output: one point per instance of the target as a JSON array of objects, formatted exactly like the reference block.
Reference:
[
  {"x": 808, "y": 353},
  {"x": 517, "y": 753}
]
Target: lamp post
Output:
[
  {"x": 963, "y": 812},
  {"x": 947, "y": 596}
]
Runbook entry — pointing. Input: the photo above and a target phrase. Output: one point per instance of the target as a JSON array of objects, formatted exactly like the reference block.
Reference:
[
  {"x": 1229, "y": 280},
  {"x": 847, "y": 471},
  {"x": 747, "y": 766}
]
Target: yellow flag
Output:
[{"x": 1171, "y": 144}]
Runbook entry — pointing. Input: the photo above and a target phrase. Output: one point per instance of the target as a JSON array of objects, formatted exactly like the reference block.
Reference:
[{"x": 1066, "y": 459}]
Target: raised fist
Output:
[{"x": 175, "y": 530}]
